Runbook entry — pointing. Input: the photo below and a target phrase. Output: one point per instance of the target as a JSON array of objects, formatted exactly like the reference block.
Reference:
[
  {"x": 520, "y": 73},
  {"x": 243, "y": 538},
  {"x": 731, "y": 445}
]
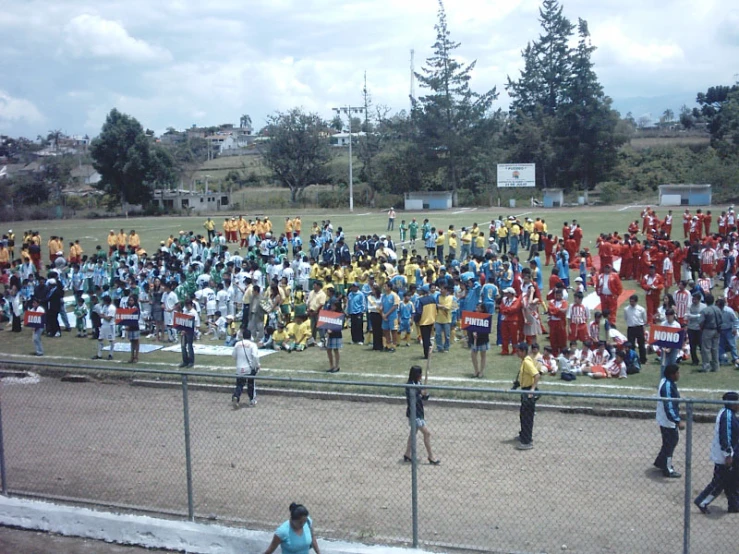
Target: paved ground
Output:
[
  {"x": 33, "y": 542},
  {"x": 588, "y": 486}
]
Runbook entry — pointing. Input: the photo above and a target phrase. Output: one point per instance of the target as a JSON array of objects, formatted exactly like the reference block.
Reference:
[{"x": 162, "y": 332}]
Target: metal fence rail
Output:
[{"x": 588, "y": 484}]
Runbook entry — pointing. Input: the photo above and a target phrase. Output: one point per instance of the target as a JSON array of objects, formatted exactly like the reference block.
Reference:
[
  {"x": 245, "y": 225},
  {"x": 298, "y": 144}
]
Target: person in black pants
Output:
[
  {"x": 724, "y": 452},
  {"x": 54, "y": 297},
  {"x": 356, "y": 305},
  {"x": 695, "y": 333},
  {"x": 668, "y": 418},
  {"x": 375, "y": 317},
  {"x": 636, "y": 319},
  {"x": 425, "y": 314}
]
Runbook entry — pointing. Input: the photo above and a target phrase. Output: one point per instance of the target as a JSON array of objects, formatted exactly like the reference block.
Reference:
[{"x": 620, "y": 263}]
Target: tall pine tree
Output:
[
  {"x": 450, "y": 116},
  {"x": 560, "y": 117}
]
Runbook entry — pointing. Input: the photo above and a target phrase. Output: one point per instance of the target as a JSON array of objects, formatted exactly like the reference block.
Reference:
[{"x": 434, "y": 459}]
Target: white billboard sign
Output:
[{"x": 516, "y": 175}]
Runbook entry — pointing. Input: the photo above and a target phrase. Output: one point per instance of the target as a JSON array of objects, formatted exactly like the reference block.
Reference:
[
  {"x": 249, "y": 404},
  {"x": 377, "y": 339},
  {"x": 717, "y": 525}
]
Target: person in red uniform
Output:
[
  {"x": 549, "y": 243},
  {"x": 682, "y": 303},
  {"x": 608, "y": 288},
  {"x": 707, "y": 222},
  {"x": 576, "y": 234},
  {"x": 511, "y": 320},
  {"x": 566, "y": 230},
  {"x": 557, "y": 312},
  {"x": 722, "y": 229},
  {"x": 667, "y": 224},
  {"x": 645, "y": 219},
  {"x": 579, "y": 314},
  {"x": 686, "y": 222},
  {"x": 653, "y": 284}
]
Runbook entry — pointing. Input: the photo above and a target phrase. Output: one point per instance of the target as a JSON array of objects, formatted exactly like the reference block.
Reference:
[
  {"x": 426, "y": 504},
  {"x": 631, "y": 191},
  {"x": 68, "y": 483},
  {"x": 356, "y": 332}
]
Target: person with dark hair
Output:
[
  {"x": 636, "y": 319},
  {"x": 295, "y": 536},
  {"x": 710, "y": 324},
  {"x": 723, "y": 455},
  {"x": 668, "y": 418},
  {"x": 246, "y": 355},
  {"x": 417, "y": 396},
  {"x": 479, "y": 344},
  {"x": 425, "y": 314},
  {"x": 528, "y": 378}
]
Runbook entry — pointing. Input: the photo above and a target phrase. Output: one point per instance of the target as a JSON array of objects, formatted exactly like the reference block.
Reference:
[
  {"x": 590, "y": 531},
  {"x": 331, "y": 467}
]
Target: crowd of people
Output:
[{"x": 250, "y": 285}]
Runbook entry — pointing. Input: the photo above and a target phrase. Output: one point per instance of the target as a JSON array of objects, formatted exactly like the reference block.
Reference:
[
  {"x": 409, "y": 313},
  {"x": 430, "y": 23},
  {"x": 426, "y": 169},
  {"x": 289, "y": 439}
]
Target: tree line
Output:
[{"x": 452, "y": 137}]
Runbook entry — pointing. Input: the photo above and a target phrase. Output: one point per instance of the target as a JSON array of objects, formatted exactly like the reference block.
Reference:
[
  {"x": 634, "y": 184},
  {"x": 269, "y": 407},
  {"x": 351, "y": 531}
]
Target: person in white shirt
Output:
[
  {"x": 107, "y": 328},
  {"x": 169, "y": 303},
  {"x": 636, "y": 319},
  {"x": 246, "y": 355}
]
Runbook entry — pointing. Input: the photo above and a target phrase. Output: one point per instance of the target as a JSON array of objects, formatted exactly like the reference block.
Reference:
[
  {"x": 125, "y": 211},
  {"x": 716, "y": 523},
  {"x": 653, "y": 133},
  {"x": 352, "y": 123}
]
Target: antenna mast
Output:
[{"x": 413, "y": 78}]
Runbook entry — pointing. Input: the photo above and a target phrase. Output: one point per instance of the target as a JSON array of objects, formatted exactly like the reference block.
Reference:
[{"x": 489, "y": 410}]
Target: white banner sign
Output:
[{"x": 516, "y": 175}]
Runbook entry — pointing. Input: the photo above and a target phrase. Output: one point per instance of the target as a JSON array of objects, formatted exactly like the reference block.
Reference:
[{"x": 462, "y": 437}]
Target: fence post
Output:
[
  {"x": 411, "y": 392},
  {"x": 2, "y": 454},
  {"x": 688, "y": 477},
  {"x": 188, "y": 456}
]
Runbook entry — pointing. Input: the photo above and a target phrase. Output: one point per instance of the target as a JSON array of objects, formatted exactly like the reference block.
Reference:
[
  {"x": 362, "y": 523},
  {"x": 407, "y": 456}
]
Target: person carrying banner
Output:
[
  {"x": 334, "y": 342},
  {"x": 479, "y": 343},
  {"x": 38, "y": 331},
  {"x": 246, "y": 355},
  {"x": 134, "y": 332},
  {"x": 669, "y": 355},
  {"x": 187, "y": 333}
]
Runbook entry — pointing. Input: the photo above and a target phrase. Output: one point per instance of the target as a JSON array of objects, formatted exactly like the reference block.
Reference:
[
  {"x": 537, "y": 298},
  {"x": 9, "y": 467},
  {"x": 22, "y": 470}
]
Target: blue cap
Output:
[{"x": 424, "y": 288}]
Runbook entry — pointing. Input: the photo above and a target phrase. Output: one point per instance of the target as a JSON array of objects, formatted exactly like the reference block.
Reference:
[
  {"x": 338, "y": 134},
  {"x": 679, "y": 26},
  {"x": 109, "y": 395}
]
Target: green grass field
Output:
[{"x": 357, "y": 362}]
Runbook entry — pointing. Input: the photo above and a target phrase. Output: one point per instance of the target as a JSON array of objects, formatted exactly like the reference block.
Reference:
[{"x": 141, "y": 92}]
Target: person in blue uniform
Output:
[
  {"x": 723, "y": 454},
  {"x": 668, "y": 418}
]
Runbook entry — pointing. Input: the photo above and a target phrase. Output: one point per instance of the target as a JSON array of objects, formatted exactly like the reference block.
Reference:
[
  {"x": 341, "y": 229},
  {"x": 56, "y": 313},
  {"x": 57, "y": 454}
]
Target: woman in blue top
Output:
[{"x": 295, "y": 536}]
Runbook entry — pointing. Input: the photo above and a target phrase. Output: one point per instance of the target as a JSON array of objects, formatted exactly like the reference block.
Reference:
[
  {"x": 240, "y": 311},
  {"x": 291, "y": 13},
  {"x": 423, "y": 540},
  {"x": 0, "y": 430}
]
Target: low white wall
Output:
[{"x": 150, "y": 532}]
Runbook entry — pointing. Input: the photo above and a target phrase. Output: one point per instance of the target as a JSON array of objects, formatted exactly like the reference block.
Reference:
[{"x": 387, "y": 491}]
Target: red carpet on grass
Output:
[{"x": 623, "y": 297}]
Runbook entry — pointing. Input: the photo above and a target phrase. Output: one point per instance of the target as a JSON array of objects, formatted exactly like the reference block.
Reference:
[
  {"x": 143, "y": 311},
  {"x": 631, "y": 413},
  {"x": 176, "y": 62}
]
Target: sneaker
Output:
[
  {"x": 673, "y": 474},
  {"x": 360, "y": 343},
  {"x": 150, "y": 336},
  {"x": 234, "y": 402},
  {"x": 253, "y": 402},
  {"x": 391, "y": 349},
  {"x": 702, "y": 508},
  {"x": 110, "y": 356},
  {"x": 526, "y": 446},
  {"x": 97, "y": 357}
]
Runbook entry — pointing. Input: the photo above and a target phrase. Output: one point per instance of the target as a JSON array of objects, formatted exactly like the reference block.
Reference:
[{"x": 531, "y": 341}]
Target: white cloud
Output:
[
  {"x": 89, "y": 35},
  {"x": 611, "y": 37},
  {"x": 17, "y": 109}
]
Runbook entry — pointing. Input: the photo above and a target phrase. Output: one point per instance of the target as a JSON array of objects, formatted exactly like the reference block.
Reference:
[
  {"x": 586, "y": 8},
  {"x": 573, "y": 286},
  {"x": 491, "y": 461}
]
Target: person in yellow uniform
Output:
[
  {"x": 243, "y": 227},
  {"x": 112, "y": 242},
  {"x": 466, "y": 240},
  {"x": 502, "y": 233},
  {"x": 288, "y": 228},
  {"x": 528, "y": 379},
  {"x": 297, "y": 224},
  {"x": 227, "y": 229},
  {"x": 534, "y": 239},
  {"x": 440, "y": 240},
  {"x": 4, "y": 256},
  {"x": 479, "y": 248},
  {"x": 134, "y": 241},
  {"x": 210, "y": 227},
  {"x": 267, "y": 225},
  {"x": 453, "y": 243},
  {"x": 11, "y": 244},
  {"x": 121, "y": 240}
]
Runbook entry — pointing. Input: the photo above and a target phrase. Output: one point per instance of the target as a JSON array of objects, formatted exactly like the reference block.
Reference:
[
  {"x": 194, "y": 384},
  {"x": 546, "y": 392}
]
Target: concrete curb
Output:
[{"x": 150, "y": 532}]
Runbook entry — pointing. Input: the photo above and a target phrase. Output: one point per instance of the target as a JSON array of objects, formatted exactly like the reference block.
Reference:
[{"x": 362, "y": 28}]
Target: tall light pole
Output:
[{"x": 349, "y": 110}]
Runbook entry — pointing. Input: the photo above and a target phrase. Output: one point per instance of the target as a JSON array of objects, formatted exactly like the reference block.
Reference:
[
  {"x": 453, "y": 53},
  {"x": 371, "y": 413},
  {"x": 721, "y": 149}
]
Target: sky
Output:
[{"x": 64, "y": 64}]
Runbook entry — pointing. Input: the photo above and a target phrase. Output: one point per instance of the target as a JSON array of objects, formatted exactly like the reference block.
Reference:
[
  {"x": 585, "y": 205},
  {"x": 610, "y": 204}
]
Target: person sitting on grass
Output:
[
  {"x": 217, "y": 326},
  {"x": 548, "y": 362},
  {"x": 298, "y": 334},
  {"x": 280, "y": 337}
]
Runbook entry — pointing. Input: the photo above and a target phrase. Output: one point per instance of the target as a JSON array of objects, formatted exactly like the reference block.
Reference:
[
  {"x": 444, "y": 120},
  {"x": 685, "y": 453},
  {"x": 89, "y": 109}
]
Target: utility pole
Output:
[{"x": 349, "y": 110}]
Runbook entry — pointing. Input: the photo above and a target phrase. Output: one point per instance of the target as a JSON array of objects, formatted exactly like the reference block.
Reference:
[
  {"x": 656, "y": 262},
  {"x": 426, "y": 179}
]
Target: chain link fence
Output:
[{"x": 175, "y": 445}]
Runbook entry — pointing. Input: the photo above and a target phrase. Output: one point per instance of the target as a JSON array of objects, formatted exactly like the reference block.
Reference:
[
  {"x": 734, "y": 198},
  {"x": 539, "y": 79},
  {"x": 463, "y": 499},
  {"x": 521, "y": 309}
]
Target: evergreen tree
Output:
[{"x": 450, "y": 116}]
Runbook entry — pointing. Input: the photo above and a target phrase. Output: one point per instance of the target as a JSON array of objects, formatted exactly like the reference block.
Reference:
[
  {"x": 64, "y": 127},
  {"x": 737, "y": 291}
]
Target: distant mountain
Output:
[{"x": 654, "y": 106}]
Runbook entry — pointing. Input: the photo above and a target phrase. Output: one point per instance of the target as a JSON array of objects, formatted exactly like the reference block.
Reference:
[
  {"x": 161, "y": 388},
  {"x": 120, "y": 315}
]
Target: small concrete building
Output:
[
  {"x": 553, "y": 198},
  {"x": 685, "y": 195},
  {"x": 196, "y": 202},
  {"x": 428, "y": 200}
]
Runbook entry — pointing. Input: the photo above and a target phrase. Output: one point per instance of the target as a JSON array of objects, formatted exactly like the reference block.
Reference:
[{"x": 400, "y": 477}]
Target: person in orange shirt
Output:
[
  {"x": 4, "y": 257},
  {"x": 134, "y": 241},
  {"x": 121, "y": 240},
  {"x": 112, "y": 242},
  {"x": 227, "y": 229},
  {"x": 288, "y": 228},
  {"x": 243, "y": 231},
  {"x": 260, "y": 228},
  {"x": 707, "y": 222},
  {"x": 267, "y": 225},
  {"x": 297, "y": 224}
]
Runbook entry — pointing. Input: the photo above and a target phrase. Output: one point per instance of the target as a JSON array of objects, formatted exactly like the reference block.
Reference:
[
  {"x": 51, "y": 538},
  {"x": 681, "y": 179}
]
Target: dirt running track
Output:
[{"x": 587, "y": 486}]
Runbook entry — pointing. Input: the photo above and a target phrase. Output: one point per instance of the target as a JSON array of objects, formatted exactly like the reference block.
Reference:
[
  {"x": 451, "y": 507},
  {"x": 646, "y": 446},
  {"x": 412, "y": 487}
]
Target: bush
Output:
[{"x": 610, "y": 192}]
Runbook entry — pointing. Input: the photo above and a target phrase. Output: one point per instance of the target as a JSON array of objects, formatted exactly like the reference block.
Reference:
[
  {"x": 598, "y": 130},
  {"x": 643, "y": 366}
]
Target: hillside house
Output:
[{"x": 85, "y": 175}]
